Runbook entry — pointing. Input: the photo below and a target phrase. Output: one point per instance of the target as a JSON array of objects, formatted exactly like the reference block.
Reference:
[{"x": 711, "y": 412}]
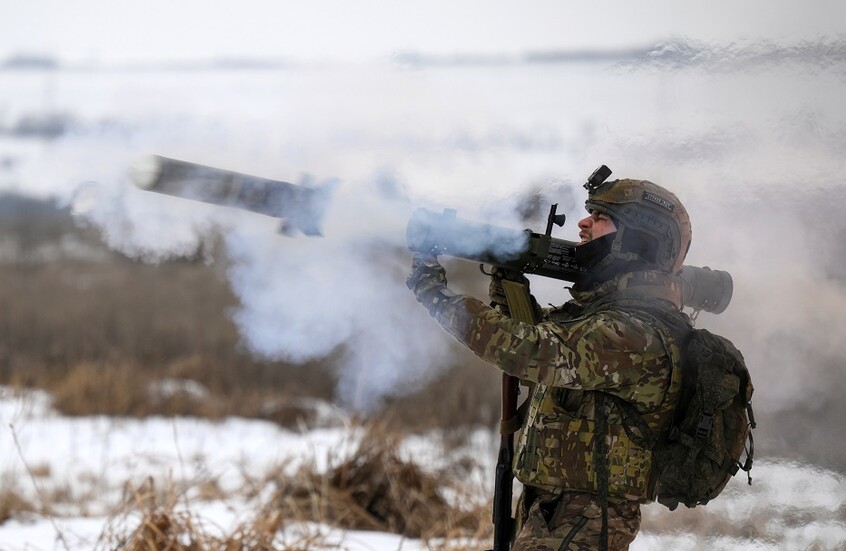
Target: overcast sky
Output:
[{"x": 111, "y": 30}]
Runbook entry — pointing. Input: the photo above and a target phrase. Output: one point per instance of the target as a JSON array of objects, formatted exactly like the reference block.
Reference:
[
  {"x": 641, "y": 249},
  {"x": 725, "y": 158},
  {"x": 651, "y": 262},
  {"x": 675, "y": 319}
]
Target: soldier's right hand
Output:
[{"x": 495, "y": 291}]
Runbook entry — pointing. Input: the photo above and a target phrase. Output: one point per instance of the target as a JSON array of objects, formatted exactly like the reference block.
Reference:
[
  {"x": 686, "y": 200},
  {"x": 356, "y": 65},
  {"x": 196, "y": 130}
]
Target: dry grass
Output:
[
  {"x": 460, "y": 399},
  {"x": 161, "y": 526},
  {"x": 371, "y": 489},
  {"x": 99, "y": 336},
  {"x": 11, "y": 503},
  {"x": 375, "y": 489}
]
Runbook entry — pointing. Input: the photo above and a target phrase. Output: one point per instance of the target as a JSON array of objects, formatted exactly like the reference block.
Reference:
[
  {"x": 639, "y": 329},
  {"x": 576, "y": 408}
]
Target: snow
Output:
[{"x": 95, "y": 461}]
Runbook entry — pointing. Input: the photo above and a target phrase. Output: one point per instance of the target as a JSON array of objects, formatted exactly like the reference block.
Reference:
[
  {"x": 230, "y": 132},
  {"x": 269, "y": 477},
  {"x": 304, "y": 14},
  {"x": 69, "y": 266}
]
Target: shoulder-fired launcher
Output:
[{"x": 529, "y": 252}]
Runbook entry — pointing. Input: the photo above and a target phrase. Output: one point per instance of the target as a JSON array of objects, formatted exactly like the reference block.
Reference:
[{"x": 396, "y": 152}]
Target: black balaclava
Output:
[{"x": 596, "y": 258}]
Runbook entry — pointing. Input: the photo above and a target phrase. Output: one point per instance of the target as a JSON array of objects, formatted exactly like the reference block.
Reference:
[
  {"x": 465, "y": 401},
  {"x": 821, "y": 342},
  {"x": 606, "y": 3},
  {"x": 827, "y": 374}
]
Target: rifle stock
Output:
[
  {"x": 521, "y": 309},
  {"x": 503, "y": 519}
]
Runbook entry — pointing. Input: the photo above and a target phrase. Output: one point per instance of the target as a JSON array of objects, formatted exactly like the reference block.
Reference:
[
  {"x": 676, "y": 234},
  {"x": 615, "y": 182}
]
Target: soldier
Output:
[{"x": 584, "y": 477}]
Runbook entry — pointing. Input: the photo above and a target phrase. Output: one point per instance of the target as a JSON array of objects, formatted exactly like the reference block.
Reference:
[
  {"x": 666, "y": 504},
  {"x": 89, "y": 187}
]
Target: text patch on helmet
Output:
[{"x": 660, "y": 201}]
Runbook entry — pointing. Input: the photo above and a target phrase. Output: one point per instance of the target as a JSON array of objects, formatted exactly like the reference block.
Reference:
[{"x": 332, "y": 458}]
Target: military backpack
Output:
[{"x": 712, "y": 426}]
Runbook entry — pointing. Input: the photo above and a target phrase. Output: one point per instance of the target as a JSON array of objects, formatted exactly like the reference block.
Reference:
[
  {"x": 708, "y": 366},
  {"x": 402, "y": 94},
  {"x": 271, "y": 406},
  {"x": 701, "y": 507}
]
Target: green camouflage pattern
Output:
[
  {"x": 576, "y": 351},
  {"x": 694, "y": 468},
  {"x": 573, "y": 521}
]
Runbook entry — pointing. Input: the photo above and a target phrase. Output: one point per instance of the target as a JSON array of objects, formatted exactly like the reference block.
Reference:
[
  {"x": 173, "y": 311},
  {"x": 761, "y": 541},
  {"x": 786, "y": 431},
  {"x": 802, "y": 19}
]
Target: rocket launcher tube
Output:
[
  {"x": 300, "y": 207},
  {"x": 541, "y": 254}
]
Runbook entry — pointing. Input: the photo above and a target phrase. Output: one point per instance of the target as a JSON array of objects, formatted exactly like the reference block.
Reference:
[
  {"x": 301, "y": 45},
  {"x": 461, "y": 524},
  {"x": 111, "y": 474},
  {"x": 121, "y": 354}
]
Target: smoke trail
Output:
[
  {"x": 300, "y": 298},
  {"x": 304, "y": 298}
]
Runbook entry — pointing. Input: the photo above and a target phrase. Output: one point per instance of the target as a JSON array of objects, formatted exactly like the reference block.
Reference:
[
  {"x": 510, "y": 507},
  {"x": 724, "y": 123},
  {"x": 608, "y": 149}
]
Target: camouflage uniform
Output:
[
  {"x": 573, "y": 520},
  {"x": 573, "y": 452},
  {"x": 591, "y": 344}
]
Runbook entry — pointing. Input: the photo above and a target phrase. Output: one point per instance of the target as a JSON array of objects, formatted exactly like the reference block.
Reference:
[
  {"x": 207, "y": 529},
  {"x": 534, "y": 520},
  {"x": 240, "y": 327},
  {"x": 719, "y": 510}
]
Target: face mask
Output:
[{"x": 589, "y": 254}]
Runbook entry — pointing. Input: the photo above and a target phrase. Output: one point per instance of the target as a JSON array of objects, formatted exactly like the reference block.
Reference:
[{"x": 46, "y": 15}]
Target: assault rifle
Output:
[{"x": 528, "y": 252}]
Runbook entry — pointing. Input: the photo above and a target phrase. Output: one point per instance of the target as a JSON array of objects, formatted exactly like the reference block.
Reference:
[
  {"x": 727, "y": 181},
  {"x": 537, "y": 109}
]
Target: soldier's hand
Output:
[
  {"x": 428, "y": 282},
  {"x": 495, "y": 291}
]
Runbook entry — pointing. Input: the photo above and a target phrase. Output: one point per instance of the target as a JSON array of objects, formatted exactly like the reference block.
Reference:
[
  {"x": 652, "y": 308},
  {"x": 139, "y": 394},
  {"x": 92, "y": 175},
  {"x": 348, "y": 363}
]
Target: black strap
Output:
[
  {"x": 565, "y": 543},
  {"x": 601, "y": 453},
  {"x": 750, "y": 450},
  {"x": 632, "y": 421},
  {"x": 514, "y": 424}
]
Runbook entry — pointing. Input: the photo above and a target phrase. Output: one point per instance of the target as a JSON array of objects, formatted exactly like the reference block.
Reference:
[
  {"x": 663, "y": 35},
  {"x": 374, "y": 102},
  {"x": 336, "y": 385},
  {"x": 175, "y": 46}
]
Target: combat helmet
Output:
[{"x": 653, "y": 226}]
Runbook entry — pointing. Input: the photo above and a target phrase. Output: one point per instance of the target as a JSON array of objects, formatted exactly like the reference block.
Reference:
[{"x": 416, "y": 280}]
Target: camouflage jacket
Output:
[{"x": 591, "y": 344}]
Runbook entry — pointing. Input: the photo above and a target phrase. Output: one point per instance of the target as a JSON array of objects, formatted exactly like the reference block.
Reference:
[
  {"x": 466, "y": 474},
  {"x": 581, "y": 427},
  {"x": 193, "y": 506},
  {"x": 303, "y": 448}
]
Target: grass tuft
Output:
[
  {"x": 12, "y": 504},
  {"x": 372, "y": 488},
  {"x": 375, "y": 489}
]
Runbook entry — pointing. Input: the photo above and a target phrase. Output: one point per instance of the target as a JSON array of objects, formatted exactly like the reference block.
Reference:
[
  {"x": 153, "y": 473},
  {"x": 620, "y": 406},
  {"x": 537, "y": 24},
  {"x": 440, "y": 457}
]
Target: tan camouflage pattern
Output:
[
  {"x": 573, "y": 521},
  {"x": 568, "y": 356}
]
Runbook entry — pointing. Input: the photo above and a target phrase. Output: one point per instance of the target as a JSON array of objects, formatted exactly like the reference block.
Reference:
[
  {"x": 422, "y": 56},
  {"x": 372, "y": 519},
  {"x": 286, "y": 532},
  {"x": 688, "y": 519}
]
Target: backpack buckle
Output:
[{"x": 706, "y": 422}]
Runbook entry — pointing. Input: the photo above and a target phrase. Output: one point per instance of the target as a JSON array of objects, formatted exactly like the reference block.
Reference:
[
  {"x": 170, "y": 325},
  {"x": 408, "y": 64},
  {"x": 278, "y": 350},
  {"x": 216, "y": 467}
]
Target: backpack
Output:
[{"x": 713, "y": 419}]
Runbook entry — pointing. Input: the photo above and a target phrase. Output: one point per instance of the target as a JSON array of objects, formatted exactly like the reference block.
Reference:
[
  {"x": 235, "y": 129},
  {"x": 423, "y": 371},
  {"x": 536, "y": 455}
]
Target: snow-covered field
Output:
[{"x": 85, "y": 469}]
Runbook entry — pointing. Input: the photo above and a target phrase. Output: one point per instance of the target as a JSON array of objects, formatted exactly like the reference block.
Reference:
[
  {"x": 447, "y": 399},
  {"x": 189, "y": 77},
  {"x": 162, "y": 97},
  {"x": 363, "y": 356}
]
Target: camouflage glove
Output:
[
  {"x": 428, "y": 282},
  {"x": 495, "y": 292}
]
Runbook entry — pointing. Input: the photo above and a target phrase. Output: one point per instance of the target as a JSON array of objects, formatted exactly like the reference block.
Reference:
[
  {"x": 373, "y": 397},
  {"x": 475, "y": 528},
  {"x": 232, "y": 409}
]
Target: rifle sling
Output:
[{"x": 511, "y": 426}]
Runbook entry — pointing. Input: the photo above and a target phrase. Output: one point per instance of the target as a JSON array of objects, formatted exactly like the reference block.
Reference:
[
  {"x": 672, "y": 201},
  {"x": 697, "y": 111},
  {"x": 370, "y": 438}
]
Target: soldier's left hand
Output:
[{"x": 428, "y": 281}]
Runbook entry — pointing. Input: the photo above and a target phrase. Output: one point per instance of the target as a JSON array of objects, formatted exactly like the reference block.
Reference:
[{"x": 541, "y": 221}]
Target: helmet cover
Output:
[{"x": 651, "y": 213}]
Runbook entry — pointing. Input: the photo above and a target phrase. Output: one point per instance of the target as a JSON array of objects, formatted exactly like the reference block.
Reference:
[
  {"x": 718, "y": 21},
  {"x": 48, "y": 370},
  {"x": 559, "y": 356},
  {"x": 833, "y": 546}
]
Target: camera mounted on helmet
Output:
[{"x": 597, "y": 179}]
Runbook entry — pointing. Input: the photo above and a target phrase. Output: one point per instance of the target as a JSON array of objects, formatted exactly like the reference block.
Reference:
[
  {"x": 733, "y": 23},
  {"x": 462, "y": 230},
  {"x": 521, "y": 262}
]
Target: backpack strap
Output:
[
  {"x": 636, "y": 428},
  {"x": 750, "y": 451},
  {"x": 670, "y": 324},
  {"x": 600, "y": 451},
  {"x": 512, "y": 425}
]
